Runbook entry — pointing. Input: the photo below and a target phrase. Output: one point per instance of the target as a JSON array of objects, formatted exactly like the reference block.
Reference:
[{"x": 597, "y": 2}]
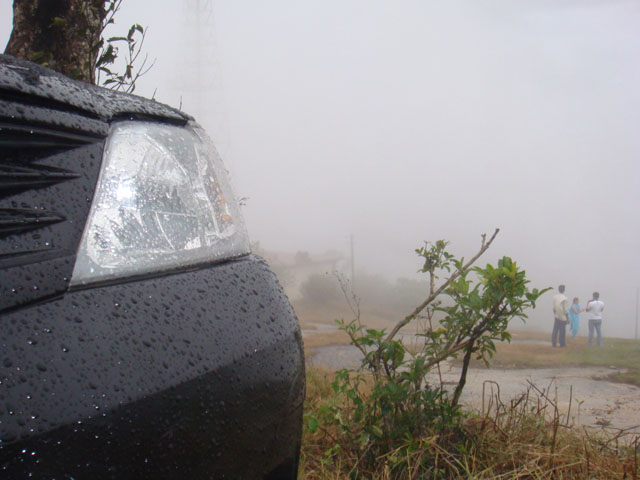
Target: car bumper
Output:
[{"x": 170, "y": 377}]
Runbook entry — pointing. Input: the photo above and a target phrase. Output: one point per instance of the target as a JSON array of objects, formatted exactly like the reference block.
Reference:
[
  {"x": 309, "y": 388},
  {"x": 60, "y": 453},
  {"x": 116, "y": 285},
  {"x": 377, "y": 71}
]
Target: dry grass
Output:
[
  {"x": 526, "y": 438},
  {"x": 312, "y": 314},
  {"x": 533, "y": 350},
  {"x": 526, "y": 355}
]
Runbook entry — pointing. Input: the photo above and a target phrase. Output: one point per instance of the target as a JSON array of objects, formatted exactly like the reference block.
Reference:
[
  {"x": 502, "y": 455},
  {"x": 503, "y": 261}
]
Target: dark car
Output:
[{"x": 139, "y": 337}]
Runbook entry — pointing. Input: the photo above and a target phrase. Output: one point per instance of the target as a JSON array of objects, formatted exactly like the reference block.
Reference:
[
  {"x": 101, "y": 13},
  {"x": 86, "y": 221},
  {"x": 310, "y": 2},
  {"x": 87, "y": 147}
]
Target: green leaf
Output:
[
  {"x": 108, "y": 56},
  {"x": 313, "y": 424},
  {"x": 59, "y": 22}
]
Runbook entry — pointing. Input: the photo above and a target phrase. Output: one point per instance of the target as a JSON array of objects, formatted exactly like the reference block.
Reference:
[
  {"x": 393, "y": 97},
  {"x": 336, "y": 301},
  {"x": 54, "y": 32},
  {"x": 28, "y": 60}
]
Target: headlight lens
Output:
[{"x": 162, "y": 202}]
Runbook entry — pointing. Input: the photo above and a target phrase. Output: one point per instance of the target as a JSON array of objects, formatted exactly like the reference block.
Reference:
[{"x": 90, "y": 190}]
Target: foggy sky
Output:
[{"x": 400, "y": 122}]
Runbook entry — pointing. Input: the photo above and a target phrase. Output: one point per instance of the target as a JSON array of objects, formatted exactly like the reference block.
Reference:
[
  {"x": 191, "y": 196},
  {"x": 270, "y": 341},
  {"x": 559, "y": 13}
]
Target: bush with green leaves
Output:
[{"x": 397, "y": 397}]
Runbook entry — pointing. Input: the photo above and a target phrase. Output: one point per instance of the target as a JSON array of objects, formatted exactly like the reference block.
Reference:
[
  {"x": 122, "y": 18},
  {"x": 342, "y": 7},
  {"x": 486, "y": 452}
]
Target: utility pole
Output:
[
  {"x": 637, "y": 302},
  {"x": 353, "y": 266}
]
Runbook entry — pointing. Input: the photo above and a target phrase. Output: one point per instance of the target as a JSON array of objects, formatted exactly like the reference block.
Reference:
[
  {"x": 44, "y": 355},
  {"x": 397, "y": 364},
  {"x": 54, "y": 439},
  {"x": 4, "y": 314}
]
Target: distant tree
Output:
[
  {"x": 67, "y": 36},
  {"x": 323, "y": 290}
]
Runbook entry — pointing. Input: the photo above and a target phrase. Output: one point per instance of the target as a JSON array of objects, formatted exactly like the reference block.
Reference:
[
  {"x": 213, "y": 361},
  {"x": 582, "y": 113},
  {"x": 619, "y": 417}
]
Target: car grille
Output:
[{"x": 49, "y": 162}]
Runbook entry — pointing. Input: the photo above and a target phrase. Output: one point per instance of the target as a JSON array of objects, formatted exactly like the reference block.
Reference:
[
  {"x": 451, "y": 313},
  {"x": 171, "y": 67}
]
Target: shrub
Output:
[
  {"x": 388, "y": 406},
  {"x": 321, "y": 290}
]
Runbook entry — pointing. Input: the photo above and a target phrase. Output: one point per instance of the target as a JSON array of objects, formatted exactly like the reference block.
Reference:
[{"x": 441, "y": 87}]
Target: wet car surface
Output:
[{"x": 177, "y": 356}]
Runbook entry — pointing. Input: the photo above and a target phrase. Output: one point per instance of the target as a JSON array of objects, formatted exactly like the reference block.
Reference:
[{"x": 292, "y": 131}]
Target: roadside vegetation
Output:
[
  {"x": 526, "y": 438},
  {"x": 386, "y": 420}
]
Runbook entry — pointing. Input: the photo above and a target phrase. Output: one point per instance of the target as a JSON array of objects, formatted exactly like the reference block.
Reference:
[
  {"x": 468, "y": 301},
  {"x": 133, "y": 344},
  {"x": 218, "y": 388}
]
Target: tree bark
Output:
[{"x": 60, "y": 34}]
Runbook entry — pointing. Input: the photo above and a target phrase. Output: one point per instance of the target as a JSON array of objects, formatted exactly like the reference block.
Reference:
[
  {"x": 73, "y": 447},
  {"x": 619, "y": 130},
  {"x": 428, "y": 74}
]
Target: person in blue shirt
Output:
[{"x": 574, "y": 317}]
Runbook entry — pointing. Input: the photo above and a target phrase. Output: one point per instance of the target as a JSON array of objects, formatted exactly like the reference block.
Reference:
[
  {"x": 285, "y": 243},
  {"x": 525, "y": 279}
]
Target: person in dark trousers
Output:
[
  {"x": 560, "y": 318},
  {"x": 595, "y": 306}
]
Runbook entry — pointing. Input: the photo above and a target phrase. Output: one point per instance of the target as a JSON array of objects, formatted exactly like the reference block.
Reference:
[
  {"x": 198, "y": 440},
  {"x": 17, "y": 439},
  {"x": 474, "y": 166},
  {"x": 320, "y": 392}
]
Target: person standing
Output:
[
  {"x": 595, "y": 306},
  {"x": 560, "y": 318},
  {"x": 574, "y": 317}
]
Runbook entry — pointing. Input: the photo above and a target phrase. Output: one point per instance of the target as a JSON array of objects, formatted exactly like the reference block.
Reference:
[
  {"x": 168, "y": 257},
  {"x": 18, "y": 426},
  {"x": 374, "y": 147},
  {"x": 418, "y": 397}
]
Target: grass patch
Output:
[{"x": 615, "y": 352}]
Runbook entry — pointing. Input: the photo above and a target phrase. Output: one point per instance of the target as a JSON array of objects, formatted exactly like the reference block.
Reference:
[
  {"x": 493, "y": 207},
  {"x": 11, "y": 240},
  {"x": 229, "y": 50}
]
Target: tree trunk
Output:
[
  {"x": 463, "y": 374},
  {"x": 60, "y": 34}
]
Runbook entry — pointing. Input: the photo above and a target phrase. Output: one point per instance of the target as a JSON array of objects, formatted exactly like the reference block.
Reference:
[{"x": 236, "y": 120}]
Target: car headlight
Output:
[{"x": 162, "y": 202}]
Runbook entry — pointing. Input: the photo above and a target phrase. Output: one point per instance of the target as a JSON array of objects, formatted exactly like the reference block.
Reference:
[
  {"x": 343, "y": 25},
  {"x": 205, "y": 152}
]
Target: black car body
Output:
[{"x": 191, "y": 370}]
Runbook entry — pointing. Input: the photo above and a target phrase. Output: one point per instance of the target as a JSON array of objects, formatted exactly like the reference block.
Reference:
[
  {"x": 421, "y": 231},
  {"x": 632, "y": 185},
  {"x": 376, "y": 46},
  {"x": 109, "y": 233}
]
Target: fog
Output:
[{"x": 398, "y": 122}]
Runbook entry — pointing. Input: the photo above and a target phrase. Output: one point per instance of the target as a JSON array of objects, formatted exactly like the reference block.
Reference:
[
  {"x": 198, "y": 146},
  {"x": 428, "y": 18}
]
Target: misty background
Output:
[{"x": 398, "y": 122}]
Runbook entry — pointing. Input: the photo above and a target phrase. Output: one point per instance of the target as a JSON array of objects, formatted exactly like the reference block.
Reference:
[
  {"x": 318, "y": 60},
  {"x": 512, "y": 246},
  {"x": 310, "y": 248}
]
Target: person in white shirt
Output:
[
  {"x": 560, "y": 318},
  {"x": 595, "y": 307}
]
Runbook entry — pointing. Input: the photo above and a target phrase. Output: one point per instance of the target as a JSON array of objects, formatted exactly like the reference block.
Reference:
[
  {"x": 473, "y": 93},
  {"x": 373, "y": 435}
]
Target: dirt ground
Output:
[{"x": 578, "y": 391}]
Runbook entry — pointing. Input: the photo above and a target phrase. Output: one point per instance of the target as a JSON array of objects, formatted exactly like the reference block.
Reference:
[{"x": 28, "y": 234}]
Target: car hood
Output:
[{"x": 24, "y": 78}]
